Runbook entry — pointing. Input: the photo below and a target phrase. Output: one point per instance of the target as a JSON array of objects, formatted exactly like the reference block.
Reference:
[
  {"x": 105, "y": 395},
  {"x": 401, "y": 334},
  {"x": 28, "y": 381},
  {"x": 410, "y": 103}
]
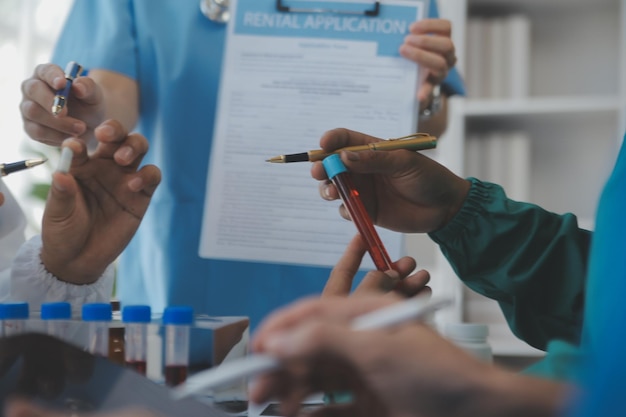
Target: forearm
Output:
[
  {"x": 121, "y": 97},
  {"x": 531, "y": 261}
]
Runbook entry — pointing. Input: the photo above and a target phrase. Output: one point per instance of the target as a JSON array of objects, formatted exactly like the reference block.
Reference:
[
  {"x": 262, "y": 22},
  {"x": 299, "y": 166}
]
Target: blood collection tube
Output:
[
  {"x": 177, "y": 321},
  {"x": 98, "y": 316},
  {"x": 136, "y": 319},
  {"x": 13, "y": 317},
  {"x": 338, "y": 174},
  {"x": 116, "y": 335},
  {"x": 56, "y": 318}
]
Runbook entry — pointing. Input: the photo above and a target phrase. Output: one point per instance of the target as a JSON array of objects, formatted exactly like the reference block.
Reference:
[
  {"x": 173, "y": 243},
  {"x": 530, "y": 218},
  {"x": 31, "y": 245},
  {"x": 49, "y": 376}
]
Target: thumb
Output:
[
  {"x": 62, "y": 196},
  {"x": 378, "y": 162},
  {"x": 87, "y": 90}
]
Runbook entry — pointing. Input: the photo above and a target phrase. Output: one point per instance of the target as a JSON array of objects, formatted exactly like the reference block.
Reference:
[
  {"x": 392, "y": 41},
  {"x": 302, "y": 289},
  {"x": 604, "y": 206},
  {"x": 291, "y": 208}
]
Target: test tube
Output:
[
  {"x": 136, "y": 319},
  {"x": 338, "y": 174},
  {"x": 56, "y": 317},
  {"x": 177, "y": 321},
  {"x": 13, "y": 317},
  {"x": 98, "y": 316},
  {"x": 116, "y": 335}
]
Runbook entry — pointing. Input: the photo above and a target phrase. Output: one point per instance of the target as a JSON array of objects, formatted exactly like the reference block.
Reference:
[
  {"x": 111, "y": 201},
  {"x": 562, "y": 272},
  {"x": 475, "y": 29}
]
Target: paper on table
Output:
[{"x": 286, "y": 79}]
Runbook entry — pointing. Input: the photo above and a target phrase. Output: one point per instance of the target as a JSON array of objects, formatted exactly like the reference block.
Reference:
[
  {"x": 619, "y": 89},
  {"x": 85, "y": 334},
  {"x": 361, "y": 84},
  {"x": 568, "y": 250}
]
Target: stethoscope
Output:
[{"x": 216, "y": 10}]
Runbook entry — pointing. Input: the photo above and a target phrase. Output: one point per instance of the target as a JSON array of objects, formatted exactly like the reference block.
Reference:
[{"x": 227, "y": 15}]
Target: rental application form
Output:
[{"x": 286, "y": 79}]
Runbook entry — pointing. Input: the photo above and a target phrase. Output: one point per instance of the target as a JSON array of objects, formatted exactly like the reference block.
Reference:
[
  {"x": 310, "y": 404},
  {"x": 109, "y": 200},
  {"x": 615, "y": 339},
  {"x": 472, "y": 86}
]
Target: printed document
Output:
[{"x": 286, "y": 79}]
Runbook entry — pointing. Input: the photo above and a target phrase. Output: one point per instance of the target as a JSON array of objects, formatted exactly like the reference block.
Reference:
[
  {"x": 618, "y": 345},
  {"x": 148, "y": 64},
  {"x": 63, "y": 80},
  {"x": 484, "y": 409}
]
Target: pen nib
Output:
[
  {"x": 276, "y": 159},
  {"x": 34, "y": 162}
]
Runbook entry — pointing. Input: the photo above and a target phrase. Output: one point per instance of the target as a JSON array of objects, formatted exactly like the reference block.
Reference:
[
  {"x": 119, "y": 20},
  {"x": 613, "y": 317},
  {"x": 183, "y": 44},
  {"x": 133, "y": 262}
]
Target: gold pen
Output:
[
  {"x": 6, "y": 169},
  {"x": 414, "y": 142}
]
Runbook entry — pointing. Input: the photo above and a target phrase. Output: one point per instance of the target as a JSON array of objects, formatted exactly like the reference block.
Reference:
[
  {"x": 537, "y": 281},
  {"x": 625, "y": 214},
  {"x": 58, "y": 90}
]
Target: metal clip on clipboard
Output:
[
  {"x": 219, "y": 10},
  {"x": 375, "y": 11}
]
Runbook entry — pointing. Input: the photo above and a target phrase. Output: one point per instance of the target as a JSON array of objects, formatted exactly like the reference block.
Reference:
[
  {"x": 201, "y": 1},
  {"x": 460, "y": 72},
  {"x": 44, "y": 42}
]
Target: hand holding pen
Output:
[
  {"x": 402, "y": 191},
  {"x": 407, "y": 370},
  {"x": 57, "y": 105},
  {"x": 414, "y": 142},
  {"x": 367, "y": 314}
]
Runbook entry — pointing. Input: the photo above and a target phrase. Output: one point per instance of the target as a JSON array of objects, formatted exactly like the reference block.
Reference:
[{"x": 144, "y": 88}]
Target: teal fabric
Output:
[
  {"x": 603, "y": 374},
  {"x": 561, "y": 362},
  {"x": 533, "y": 262},
  {"x": 175, "y": 54}
]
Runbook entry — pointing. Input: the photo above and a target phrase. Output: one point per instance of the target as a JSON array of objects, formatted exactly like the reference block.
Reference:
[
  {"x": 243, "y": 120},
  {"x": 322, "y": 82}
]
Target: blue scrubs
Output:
[{"x": 175, "y": 54}]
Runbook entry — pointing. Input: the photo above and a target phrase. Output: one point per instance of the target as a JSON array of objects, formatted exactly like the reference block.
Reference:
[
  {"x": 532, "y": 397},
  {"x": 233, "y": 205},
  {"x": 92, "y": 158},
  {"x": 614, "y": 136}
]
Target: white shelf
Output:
[
  {"x": 541, "y": 106},
  {"x": 503, "y": 342},
  {"x": 574, "y": 89},
  {"x": 534, "y": 5}
]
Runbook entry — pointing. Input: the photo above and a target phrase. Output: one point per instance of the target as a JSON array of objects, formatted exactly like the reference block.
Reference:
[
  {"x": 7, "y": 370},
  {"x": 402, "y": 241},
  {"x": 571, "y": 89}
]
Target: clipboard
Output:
[
  {"x": 286, "y": 79},
  {"x": 282, "y": 6},
  {"x": 218, "y": 10}
]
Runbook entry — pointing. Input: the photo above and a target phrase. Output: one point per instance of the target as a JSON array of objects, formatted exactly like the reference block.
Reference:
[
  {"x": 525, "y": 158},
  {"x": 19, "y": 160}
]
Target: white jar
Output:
[{"x": 471, "y": 337}]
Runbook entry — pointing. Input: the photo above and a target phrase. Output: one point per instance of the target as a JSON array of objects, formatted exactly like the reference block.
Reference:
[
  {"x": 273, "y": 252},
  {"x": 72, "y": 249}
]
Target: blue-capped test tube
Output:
[
  {"x": 136, "y": 320},
  {"x": 98, "y": 317},
  {"x": 56, "y": 318},
  {"x": 13, "y": 317},
  {"x": 177, "y": 321},
  {"x": 338, "y": 174}
]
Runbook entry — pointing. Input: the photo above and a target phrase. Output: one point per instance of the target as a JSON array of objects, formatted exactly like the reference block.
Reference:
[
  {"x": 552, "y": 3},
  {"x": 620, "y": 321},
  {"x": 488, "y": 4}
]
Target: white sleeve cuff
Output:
[{"x": 32, "y": 283}]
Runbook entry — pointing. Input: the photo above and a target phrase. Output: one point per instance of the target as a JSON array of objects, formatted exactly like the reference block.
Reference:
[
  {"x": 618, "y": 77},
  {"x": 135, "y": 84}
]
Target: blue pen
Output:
[{"x": 72, "y": 71}]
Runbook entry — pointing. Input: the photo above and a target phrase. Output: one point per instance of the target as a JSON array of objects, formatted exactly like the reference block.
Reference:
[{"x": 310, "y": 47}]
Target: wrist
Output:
[
  {"x": 69, "y": 272},
  {"x": 470, "y": 393},
  {"x": 457, "y": 220},
  {"x": 461, "y": 191}
]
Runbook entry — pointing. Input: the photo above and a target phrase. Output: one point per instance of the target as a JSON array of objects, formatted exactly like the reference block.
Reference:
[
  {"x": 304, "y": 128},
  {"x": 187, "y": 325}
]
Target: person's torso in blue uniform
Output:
[{"x": 175, "y": 53}]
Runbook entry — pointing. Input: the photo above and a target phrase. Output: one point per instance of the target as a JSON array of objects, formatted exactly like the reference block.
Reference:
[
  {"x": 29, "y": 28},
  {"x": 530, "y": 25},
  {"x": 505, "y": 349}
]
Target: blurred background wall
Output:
[{"x": 28, "y": 30}]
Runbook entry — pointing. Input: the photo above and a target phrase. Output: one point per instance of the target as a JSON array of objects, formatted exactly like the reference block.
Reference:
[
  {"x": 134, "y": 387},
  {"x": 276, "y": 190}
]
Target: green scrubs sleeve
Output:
[{"x": 531, "y": 261}]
